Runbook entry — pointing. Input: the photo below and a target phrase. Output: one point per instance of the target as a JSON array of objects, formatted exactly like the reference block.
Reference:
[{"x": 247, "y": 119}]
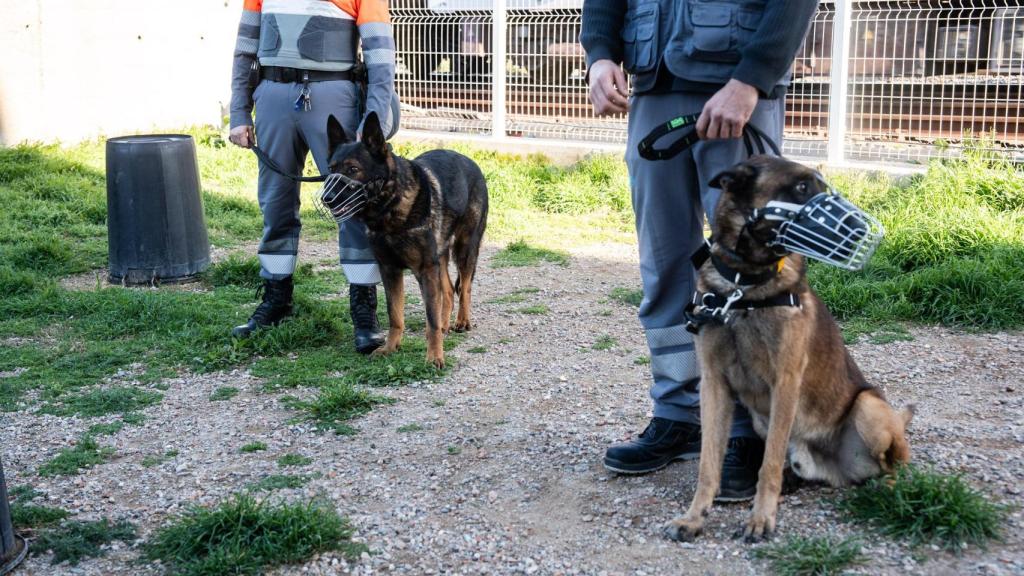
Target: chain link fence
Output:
[{"x": 874, "y": 81}]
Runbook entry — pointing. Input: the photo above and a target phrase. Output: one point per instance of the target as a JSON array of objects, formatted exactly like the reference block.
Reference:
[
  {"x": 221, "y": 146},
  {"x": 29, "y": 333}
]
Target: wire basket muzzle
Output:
[
  {"x": 340, "y": 198},
  {"x": 833, "y": 230}
]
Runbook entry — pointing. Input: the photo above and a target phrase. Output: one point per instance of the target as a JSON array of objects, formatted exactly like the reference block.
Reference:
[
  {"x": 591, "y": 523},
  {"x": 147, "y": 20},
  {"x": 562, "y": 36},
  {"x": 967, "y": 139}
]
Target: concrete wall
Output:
[{"x": 73, "y": 69}]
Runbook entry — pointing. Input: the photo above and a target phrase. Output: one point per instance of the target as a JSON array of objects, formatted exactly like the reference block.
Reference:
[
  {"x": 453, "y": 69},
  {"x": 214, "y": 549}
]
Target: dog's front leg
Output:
[
  {"x": 433, "y": 298},
  {"x": 785, "y": 398},
  {"x": 716, "y": 408},
  {"x": 394, "y": 290}
]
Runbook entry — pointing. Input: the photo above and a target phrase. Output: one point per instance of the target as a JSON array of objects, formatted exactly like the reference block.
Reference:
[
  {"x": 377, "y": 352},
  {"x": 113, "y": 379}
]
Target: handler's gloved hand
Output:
[{"x": 242, "y": 136}]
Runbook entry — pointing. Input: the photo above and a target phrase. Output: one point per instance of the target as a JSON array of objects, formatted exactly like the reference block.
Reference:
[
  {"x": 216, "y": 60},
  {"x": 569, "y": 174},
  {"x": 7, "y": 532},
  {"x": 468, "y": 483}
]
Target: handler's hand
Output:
[
  {"x": 608, "y": 88},
  {"x": 727, "y": 112},
  {"x": 242, "y": 136}
]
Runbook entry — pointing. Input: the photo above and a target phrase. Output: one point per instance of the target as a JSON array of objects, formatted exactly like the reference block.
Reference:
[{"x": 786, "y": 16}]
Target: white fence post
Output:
[
  {"x": 838, "y": 107},
  {"x": 499, "y": 56}
]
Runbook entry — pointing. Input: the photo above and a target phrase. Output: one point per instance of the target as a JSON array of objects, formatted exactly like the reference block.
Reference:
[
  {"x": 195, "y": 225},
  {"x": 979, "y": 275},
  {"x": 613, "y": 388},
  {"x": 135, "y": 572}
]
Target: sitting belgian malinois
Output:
[
  {"x": 418, "y": 215},
  {"x": 765, "y": 337}
]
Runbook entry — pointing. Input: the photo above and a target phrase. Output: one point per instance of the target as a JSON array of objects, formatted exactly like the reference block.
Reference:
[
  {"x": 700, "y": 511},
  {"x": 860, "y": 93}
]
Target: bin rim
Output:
[{"x": 149, "y": 138}]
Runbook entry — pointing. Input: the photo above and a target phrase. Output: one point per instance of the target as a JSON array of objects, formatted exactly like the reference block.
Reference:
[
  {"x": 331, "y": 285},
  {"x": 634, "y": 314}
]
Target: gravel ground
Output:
[{"x": 504, "y": 475}]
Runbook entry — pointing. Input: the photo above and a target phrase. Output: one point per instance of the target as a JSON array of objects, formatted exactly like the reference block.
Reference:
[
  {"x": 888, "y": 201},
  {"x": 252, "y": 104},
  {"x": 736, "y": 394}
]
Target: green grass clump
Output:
[
  {"x": 477, "y": 350},
  {"x": 631, "y": 296},
  {"x": 223, "y": 393},
  {"x": 253, "y": 447},
  {"x": 642, "y": 360},
  {"x": 535, "y": 310},
  {"x": 69, "y": 461},
  {"x": 519, "y": 253},
  {"x": 815, "y": 556},
  {"x": 281, "y": 482},
  {"x": 924, "y": 507},
  {"x": 101, "y": 402},
  {"x": 337, "y": 403},
  {"x": 156, "y": 459},
  {"x": 24, "y": 515},
  {"x": 407, "y": 428},
  {"x": 604, "y": 342},
  {"x": 108, "y": 429},
  {"x": 517, "y": 296},
  {"x": 237, "y": 270},
  {"x": 73, "y": 541},
  {"x": 246, "y": 536},
  {"x": 294, "y": 460},
  {"x": 133, "y": 418}
]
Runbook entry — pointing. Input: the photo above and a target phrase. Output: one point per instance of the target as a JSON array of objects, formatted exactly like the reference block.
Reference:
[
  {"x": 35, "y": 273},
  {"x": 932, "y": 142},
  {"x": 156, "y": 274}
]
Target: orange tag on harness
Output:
[{"x": 780, "y": 265}]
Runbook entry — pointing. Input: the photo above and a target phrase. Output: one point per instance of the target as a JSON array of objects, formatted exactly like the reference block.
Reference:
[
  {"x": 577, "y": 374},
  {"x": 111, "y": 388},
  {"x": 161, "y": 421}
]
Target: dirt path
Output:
[{"x": 503, "y": 474}]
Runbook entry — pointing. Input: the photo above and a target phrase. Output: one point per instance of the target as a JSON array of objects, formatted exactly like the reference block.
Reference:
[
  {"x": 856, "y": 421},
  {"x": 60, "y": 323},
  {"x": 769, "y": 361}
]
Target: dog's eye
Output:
[
  {"x": 351, "y": 170},
  {"x": 801, "y": 187}
]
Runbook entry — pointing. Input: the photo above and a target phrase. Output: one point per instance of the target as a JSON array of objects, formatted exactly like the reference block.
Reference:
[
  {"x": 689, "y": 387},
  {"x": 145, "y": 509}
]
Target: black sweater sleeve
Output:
[
  {"x": 600, "y": 32},
  {"x": 769, "y": 54}
]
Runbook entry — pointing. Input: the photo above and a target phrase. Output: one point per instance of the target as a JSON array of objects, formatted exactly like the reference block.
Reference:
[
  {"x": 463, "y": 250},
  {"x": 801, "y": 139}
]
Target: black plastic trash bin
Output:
[
  {"x": 12, "y": 547},
  {"x": 155, "y": 226}
]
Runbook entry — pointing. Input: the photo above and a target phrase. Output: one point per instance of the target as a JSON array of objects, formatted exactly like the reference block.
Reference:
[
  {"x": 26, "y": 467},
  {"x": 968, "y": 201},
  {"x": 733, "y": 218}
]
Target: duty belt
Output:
[{"x": 279, "y": 74}]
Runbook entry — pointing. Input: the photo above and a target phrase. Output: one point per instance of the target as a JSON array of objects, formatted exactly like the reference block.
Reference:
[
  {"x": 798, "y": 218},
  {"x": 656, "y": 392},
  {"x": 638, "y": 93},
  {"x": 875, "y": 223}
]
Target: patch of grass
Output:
[
  {"x": 519, "y": 253},
  {"x": 439, "y": 403},
  {"x": 407, "y": 428},
  {"x": 281, "y": 482},
  {"x": 157, "y": 459},
  {"x": 811, "y": 556},
  {"x": 926, "y": 507},
  {"x": 133, "y": 419},
  {"x": 631, "y": 296},
  {"x": 69, "y": 461},
  {"x": 454, "y": 450},
  {"x": 604, "y": 312},
  {"x": 73, "y": 541},
  {"x": 242, "y": 270},
  {"x": 337, "y": 403},
  {"x": 642, "y": 360},
  {"x": 294, "y": 460},
  {"x": 108, "y": 429},
  {"x": 604, "y": 342},
  {"x": 102, "y": 402},
  {"x": 253, "y": 447},
  {"x": 477, "y": 350},
  {"x": 32, "y": 516},
  {"x": 223, "y": 393},
  {"x": 246, "y": 536},
  {"x": 876, "y": 332},
  {"x": 517, "y": 296},
  {"x": 536, "y": 309}
]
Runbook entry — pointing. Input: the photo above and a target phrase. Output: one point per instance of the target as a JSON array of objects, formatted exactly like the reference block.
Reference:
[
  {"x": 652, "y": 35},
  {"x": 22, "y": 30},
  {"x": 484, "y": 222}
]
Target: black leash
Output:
[
  {"x": 754, "y": 139},
  {"x": 269, "y": 163}
]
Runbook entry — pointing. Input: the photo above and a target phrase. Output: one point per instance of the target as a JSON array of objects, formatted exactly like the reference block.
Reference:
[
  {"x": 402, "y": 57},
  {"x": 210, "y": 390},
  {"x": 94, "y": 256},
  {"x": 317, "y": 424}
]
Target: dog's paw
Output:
[
  {"x": 757, "y": 529},
  {"x": 462, "y": 326},
  {"x": 683, "y": 529},
  {"x": 383, "y": 351},
  {"x": 436, "y": 362}
]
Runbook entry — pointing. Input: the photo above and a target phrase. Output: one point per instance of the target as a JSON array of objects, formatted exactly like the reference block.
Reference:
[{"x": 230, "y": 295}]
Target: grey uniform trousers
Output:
[
  {"x": 287, "y": 135},
  {"x": 670, "y": 198}
]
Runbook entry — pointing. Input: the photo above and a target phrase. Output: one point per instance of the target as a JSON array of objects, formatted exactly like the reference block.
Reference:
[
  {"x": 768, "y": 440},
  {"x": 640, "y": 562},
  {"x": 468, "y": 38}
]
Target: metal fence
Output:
[{"x": 887, "y": 81}]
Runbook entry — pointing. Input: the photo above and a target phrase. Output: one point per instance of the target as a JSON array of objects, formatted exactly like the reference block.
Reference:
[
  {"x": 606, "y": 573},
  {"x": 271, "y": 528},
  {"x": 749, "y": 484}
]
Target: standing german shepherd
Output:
[
  {"x": 782, "y": 355},
  {"x": 418, "y": 215}
]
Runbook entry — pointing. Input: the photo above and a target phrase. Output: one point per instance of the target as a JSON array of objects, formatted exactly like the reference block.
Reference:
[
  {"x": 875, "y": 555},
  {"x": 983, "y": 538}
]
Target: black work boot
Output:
[
  {"x": 740, "y": 469},
  {"x": 662, "y": 442},
  {"x": 276, "y": 306},
  {"x": 362, "y": 305}
]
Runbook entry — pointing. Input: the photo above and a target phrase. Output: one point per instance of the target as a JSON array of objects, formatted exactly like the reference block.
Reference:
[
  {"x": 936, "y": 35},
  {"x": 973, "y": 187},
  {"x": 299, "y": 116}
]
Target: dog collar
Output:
[
  {"x": 728, "y": 272},
  {"x": 711, "y": 308}
]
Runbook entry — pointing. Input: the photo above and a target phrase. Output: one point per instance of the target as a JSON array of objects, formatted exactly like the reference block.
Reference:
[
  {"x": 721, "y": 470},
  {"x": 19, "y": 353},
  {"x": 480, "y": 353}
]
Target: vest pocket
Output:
[
  {"x": 270, "y": 37},
  {"x": 639, "y": 37},
  {"x": 714, "y": 37},
  {"x": 327, "y": 40}
]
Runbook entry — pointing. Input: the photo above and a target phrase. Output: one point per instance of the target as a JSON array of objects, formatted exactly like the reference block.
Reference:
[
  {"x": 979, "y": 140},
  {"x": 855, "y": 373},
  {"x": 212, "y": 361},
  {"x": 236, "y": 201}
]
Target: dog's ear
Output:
[
  {"x": 335, "y": 134},
  {"x": 736, "y": 179},
  {"x": 373, "y": 136}
]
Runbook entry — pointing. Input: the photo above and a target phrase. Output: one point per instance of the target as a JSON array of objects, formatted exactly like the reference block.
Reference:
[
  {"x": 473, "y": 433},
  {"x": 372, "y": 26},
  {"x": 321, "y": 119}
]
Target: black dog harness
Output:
[{"x": 710, "y": 307}]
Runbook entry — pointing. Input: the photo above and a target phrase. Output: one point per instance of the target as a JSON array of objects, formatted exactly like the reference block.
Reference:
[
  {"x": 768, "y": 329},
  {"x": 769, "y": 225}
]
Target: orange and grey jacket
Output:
[{"x": 316, "y": 35}]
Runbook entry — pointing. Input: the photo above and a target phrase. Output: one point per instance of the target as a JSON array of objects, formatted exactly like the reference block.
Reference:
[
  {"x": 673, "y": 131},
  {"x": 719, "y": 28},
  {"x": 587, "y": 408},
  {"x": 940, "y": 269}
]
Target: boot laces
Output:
[
  {"x": 274, "y": 297},
  {"x": 363, "y": 304}
]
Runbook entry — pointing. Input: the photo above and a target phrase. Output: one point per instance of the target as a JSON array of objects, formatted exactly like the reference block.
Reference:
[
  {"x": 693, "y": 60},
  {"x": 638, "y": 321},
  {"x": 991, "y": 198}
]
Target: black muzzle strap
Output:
[{"x": 273, "y": 166}]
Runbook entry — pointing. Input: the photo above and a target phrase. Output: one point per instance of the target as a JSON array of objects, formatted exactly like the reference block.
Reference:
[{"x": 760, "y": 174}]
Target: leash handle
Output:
[
  {"x": 269, "y": 163},
  {"x": 752, "y": 136}
]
